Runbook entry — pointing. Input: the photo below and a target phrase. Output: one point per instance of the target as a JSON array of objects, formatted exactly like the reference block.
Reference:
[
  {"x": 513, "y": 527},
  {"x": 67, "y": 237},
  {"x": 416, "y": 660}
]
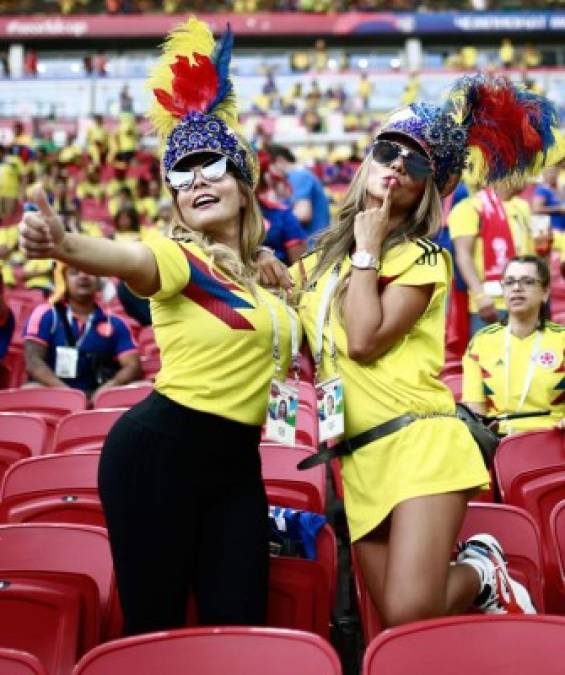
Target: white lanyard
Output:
[
  {"x": 530, "y": 372},
  {"x": 87, "y": 327},
  {"x": 276, "y": 349},
  {"x": 323, "y": 312}
]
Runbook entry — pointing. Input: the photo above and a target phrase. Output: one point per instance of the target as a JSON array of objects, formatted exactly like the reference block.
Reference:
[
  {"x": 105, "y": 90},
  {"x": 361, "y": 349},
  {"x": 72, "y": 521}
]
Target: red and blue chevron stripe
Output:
[{"x": 214, "y": 294}]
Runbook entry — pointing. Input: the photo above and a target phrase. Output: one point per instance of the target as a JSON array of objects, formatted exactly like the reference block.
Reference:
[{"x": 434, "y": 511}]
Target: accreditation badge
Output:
[
  {"x": 331, "y": 422},
  {"x": 281, "y": 413},
  {"x": 66, "y": 362}
]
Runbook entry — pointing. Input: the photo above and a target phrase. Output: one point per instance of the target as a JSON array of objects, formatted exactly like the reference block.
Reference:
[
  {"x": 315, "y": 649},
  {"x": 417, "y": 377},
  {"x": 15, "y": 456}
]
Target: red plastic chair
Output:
[
  {"x": 214, "y": 651},
  {"x": 43, "y": 618},
  {"x": 14, "y": 662},
  {"x": 504, "y": 644},
  {"x": 307, "y": 425},
  {"x": 122, "y": 397},
  {"x": 150, "y": 365},
  {"x": 302, "y": 592},
  {"x": 14, "y": 363},
  {"x": 455, "y": 383},
  {"x": 85, "y": 430},
  {"x": 513, "y": 527},
  {"x": 69, "y": 550},
  {"x": 50, "y": 403},
  {"x": 285, "y": 484},
  {"x": 519, "y": 535},
  {"x": 58, "y": 488},
  {"x": 530, "y": 469},
  {"x": 21, "y": 435},
  {"x": 454, "y": 367}
]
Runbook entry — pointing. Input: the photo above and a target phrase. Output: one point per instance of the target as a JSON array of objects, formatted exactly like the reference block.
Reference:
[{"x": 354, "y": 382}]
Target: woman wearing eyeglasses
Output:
[
  {"x": 517, "y": 365},
  {"x": 180, "y": 475},
  {"x": 372, "y": 304}
]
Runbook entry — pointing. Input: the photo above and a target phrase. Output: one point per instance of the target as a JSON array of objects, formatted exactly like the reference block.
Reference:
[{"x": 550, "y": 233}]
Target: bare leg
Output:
[{"x": 409, "y": 576}]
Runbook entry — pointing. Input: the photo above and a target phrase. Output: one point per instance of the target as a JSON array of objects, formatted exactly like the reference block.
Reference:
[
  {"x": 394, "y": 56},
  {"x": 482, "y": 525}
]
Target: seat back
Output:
[
  {"x": 122, "y": 397},
  {"x": 14, "y": 662},
  {"x": 61, "y": 548},
  {"x": 50, "y": 403},
  {"x": 21, "y": 435},
  {"x": 41, "y": 618},
  {"x": 505, "y": 644},
  {"x": 85, "y": 430},
  {"x": 519, "y": 536},
  {"x": 530, "y": 468},
  {"x": 455, "y": 382},
  {"x": 214, "y": 651},
  {"x": 285, "y": 484},
  {"x": 60, "y": 488}
]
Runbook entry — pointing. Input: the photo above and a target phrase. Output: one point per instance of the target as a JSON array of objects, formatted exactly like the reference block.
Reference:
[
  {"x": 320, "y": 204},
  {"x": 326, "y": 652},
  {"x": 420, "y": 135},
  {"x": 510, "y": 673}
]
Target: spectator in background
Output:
[
  {"x": 549, "y": 199},
  {"x": 38, "y": 275},
  {"x": 73, "y": 343},
  {"x": 497, "y": 367},
  {"x": 100, "y": 63},
  {"x": 30, "y": 63},
  {"x": 283, "y": 232},
  {"x": 308, "y": 200},
  {"x": 7, "y": 322},
  {"x": 487, "y": 229},
  {"x": 126, "y": 101},
  {"x": 320, "y": 59},
  {"x": 364, "y": 90},
  {"x": 506, "y": 53},
  {"x": 125, "y": 140},
  {"x": 97, "y": 140}
]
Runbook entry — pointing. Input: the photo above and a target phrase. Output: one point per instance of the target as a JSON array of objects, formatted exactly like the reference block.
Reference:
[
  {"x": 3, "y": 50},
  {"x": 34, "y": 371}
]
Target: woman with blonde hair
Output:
[
  {"x": 180, "y": 475},
  {"x": 372, "y": 305}
]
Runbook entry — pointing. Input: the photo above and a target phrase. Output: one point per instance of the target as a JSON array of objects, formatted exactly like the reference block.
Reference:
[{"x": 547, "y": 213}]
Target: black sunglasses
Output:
[{"x": 417, "y": 166}]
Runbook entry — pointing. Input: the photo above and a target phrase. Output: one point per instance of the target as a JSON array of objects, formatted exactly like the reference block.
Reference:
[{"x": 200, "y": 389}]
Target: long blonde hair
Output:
[
  {"x": 241, "y": 268},
  {"x": 338, "y": 240}
]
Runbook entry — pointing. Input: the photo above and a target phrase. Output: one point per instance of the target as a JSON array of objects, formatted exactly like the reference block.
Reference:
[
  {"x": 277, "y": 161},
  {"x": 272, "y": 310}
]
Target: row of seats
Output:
[{"x": 58, "y": 598}]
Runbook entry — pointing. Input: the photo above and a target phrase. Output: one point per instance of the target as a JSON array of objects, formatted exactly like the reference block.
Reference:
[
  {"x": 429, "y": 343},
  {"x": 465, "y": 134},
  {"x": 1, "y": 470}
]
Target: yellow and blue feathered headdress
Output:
[
  {"x": 499, "y": 130},
  {"x": 195, "y": 109}
]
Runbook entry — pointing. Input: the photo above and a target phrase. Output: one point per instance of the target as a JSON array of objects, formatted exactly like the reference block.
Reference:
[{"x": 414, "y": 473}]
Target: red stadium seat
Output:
[
  {"x": 285, "y": 484},
  {"x": 85, "y": 430},
  {"x": 50, "y": 403},
  {"x": 122, "y": 397},
  {"x": 530, "y": 469},
  {"x": 64, "y": 549},
  {"x": 14, "y": 362},
  {"x": 454, "y": 367},
  {"x": 519, "y": 535},
  {"x": 150, "y": 366},
  {"x": 21, "y": 435},
  {"x": 504, "y": 644},
  {"x": 214, "y": 651},
  {"x": 43, "y": 618},
  {"x": 307, "y": 425},
  {"x": 557, "y": 543},
  {"x": 60, "y": 488},
  {"x": 513, "y": 527},
  {"x": 15, "y": 662}
]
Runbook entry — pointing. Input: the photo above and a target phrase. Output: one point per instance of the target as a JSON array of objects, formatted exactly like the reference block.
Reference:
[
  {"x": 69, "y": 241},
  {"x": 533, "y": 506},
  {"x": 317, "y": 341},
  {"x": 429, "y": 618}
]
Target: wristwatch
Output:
[{"x": 363, "y": 260}]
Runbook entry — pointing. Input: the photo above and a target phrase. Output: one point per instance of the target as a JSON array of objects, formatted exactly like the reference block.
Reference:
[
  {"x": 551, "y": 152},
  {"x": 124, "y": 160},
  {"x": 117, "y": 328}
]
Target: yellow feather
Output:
[{"x": 187, "y": 39}]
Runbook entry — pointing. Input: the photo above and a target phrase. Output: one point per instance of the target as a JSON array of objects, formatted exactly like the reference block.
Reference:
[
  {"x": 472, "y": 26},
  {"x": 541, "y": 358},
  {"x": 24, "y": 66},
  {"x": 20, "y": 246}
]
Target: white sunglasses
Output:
[{"x": 213, "y": 171}]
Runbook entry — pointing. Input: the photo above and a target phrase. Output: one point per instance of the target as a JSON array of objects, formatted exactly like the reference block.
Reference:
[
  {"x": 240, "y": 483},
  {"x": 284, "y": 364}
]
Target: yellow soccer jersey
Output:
[
  {"x": 404, "y": 378},
  {"x": 464, "y": 220},
  {"x": 215, "y": 338},
  {"x": 484, "y": 375},
  {"x": 431, "y": 456}
]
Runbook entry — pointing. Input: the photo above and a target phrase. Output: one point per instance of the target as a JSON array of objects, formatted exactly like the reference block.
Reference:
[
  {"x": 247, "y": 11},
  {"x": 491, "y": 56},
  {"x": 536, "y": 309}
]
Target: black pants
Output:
[{"x": 186, "y": 511}]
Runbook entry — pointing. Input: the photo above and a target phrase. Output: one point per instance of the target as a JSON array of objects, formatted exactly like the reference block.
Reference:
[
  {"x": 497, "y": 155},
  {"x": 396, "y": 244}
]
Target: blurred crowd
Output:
[{"x": 180, "y": 6}]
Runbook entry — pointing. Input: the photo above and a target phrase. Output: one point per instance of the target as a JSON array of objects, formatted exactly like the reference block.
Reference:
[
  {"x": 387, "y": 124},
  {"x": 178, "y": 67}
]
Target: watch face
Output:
[{"x": 363, "y": 259}]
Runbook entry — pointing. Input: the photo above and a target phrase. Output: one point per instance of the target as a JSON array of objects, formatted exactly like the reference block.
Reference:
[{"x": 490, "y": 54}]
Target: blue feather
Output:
[
  {"x": 221, "y": 59},
  {"x": 546, "y": 118}
]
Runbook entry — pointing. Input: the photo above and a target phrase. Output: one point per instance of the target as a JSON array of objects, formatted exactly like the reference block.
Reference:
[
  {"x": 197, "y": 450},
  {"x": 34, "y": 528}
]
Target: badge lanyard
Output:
[
  {"x": 530, "y": 372},
  {"x": 330, "y": 419},
  {"x": 283, "y": 398},
  {"x": 322, "y": 318}
]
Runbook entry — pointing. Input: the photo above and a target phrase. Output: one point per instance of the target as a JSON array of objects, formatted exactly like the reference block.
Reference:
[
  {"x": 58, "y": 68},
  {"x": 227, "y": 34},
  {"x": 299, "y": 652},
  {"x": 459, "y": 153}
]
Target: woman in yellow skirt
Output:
[{"x": 372, "y": 304}]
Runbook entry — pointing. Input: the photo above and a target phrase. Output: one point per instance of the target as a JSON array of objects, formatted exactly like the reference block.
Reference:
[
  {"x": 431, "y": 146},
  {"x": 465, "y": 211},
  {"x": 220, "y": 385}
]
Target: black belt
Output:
[{"x": 349, "y": 445}]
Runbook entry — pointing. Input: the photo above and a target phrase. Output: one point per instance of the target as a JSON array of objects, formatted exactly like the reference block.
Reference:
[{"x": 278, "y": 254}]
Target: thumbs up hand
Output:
[{"x": 41, "y": 231}]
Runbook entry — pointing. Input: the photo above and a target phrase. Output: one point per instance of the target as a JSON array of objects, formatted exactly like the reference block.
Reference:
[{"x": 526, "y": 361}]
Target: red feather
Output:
[
  {"x": 194, "y": 86},
  {"x": 502, "y": 127}
]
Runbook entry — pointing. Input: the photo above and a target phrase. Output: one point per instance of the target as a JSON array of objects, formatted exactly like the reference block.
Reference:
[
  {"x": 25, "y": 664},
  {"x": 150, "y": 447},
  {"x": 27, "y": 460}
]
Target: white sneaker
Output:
[{"x": 499, "y": 594}]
